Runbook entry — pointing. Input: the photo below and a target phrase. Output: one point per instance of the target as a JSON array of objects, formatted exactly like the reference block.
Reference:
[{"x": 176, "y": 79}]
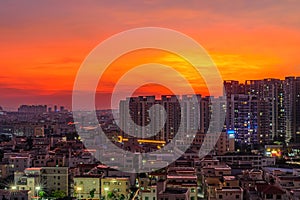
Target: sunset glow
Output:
[{"x": 44, "y": 43}]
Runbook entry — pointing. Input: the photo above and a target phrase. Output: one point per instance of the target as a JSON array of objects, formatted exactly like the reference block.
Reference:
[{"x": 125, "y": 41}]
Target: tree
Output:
[
  {"x": 58, "y": 194},
  {"x": 92, "y": 193},
  {"x": 111, "y": 195},
  {"x": 122, "y": 197},
  {"x": 42, "y": 194}
]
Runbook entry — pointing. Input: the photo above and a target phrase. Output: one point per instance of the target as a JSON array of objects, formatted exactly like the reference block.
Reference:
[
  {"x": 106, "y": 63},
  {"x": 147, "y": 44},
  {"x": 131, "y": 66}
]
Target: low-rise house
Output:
[
  {"x": 149, "y": 194},
  {"x": 229, "y": 193},
  {"x": 216, "y": 170},
  {"x": 117, "y": 186},
  {"x": 30, "y": 180},
  {"x": 230, "y": 181},
  {"x": 14, "y": 194},
  {"x": 272, "y": 192},
  {"x": 183, "y": 177},
  {"x": 249, "y": 178},
  {"x": 87, "y": 187},
  {"x": 163, "y": 192}
]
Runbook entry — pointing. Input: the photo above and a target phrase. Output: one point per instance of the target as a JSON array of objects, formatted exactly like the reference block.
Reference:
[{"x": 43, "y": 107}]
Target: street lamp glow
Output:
[
  {"x": 79, "y": 188},
  {"x": 37, "y": 191},
  {"x": 106, "y": 189},
  {"x": 14, "y": 187}
]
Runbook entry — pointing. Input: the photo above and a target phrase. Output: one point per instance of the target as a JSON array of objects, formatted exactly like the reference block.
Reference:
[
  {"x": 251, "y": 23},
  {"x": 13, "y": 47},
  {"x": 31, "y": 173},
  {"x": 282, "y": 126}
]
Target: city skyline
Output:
[
  {"x": 149, "y": 100},
  {"x": 246, "y": 41},
  {"x": 257, "y": 111},
  {"x": 158, "y": 93}
]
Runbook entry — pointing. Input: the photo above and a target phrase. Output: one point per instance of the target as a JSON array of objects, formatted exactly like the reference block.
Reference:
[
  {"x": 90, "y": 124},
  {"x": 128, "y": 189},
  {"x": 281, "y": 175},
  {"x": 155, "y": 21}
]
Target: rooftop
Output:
[
  {"x": 272, "y": 189},
  {"x": 230, "y": 189},
  {"x": 173, "y": 191}
]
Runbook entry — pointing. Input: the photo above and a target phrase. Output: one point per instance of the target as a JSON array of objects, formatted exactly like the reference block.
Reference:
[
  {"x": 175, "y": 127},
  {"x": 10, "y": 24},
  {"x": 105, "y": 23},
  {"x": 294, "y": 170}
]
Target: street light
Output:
[
  {"x": 105, "y": 192},
  {"x": 37, "y": 189},
  {"x": 78, "y": 190},
  {"x": 14, "y": 187}
]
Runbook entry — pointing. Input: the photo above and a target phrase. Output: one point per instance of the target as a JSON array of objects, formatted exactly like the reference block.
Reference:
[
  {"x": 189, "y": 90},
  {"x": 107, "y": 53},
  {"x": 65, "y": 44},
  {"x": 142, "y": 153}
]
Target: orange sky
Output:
[{"x": 44, "y": 43}]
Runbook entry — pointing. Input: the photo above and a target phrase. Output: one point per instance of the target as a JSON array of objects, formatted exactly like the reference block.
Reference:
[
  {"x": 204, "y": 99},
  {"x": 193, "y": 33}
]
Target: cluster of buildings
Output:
[
  {"x": 46, "y": 159},
  {"x": 221, "y": 177},
  {"x": 42, "y": 157},
  {"x": 242, "y": 133},
  {"x": 256, "y": 113},
  {"x": 261, "y": 111}
]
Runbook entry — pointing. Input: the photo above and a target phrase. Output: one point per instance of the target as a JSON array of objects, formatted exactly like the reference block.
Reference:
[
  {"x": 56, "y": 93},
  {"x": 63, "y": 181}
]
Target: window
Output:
[
  {"x": 146, "y": 198},
  {"x": 278, "y": 196},
  {"x": 269, "y": 196},
  {"x": 106, "y": 183},
  {"x": 237, "y": 196},
  {"x": 220, "y": 196}
]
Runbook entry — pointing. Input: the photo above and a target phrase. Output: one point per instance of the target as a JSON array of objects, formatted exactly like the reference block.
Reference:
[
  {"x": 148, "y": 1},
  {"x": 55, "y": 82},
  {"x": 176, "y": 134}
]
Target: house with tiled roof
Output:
[{"x": 271, "y": 192}]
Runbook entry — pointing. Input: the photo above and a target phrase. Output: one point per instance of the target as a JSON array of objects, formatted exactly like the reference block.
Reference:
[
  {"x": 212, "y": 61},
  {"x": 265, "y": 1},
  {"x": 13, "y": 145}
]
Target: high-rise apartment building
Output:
[
  {"x": 269, "y": 93},
  {"x": 292, "y": 109},
  {"x": 135, "y": 116},
  {"x": 171, "y": 114},
  {"x": 257, "y": 112},
  {"x": 217, "y": 115},
  {"x": 278, "y": 107},
  {"x": 242, "y": 118},
  {"x": 233, "y": 87}
]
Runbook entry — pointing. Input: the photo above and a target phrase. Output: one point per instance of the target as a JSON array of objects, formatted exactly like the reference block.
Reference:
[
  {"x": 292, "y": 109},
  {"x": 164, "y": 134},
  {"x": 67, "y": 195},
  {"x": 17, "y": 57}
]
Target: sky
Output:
[{"x": 43, "y": 43}]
